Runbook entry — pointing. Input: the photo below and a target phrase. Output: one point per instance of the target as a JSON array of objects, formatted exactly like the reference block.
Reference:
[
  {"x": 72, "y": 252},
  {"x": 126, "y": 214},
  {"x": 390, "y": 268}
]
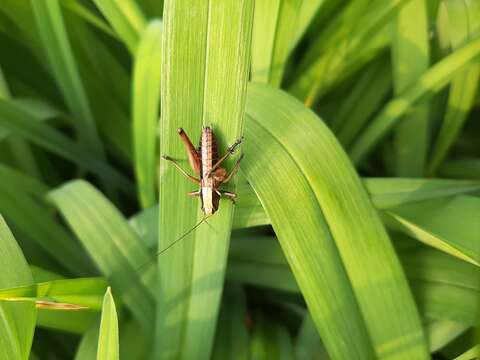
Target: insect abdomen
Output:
[{"x": 208, "y": 149}]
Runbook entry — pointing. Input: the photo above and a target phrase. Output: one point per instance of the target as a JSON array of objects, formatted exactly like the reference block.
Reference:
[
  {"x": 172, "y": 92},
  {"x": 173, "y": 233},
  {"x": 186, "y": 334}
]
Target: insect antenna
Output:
[{"x": 204, "y": 219}]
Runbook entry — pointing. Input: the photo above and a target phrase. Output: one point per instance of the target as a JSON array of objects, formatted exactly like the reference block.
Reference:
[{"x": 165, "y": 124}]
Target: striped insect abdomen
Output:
[{"x": 208, "y": 150}]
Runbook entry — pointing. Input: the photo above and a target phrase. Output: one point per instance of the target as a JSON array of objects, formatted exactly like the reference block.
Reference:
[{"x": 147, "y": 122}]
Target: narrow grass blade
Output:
[
  {"x": 112, "y": 244},
  {"x": 434, "y": 79},
  {"x": 22, "y": 123},
  {"x": 82, "y": 292},
  {"x": 308, "y": 10},
  {"x": 87, "y": 348},
  {"x": 448, "y": 224},
  {"x": 53, "y": 33},
  {"x": 17, "y": 320},
  {"x": 108, "y": 347},
  {"x": 463, "y": 22},
  {"x": 410, "y": 58},
  {"x": 126, "y": 19},
  {"x": 362, "y": 101},
  {"x": 340, "y": 46},
  {"x": 204, "y": 81},
  {"x": 89, "y": 16},
  {"x": 146, "y": 101},
  {"x": 329, "y": 197},
  {"x": 272, "y": 38}
]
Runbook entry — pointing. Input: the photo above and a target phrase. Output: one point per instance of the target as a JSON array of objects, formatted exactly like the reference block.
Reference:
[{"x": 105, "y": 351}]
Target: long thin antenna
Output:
[{"x": 176, "y": 241}]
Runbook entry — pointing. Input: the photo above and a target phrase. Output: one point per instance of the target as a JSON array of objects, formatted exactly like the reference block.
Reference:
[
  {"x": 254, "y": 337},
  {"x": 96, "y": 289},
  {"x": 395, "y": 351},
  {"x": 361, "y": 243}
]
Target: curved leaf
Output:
[
  {"x": 112, "y": 244},
  {"x": 308, "y": 167}
]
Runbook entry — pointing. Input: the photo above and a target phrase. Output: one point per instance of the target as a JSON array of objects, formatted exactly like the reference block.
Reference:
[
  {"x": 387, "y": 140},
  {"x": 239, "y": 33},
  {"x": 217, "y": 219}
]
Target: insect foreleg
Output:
[
  {"x": 194, "y": 193},
  {"x": 229, "y": 152},
  {"x": 234, "y": 170},
  {"x": 195, "y": 180}
]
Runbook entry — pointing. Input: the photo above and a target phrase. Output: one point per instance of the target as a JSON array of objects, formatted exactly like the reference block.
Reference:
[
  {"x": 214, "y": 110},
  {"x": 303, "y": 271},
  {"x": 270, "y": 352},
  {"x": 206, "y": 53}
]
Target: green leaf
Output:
[
  {"x": 50, "y": 24},
  {"x": 463, "y": 22},
  {"x": 232, "y": 334},
  {"x": 434, "y": 79},
  {"x": 17, "y": 320},
  {"x": 112, "y": 244},
  {"x": 126, "y": 19},
  {"x": 442, "y": 332},
  {"x": 387, "y": 193},
  {"x": 21, "y": 123},
  {"x": 470, "y": 354},
  {"x": 308, "y": 344},
  {"x": 410, "y": 58},
  {"x": 108, "y": 348},
  {"x": 311, "y": 169},
  {"x": 341, "y": 45},
  {"x": 82, "y": 292},
  {"x": 204, "y": 81},
  {"x": 272, "y": 38},
  {"x": 362, "y": 101},
  {"x": 146, "y": 100},
  {"x": 448, "y": 224},
  {"x": 87, "y": 349}
]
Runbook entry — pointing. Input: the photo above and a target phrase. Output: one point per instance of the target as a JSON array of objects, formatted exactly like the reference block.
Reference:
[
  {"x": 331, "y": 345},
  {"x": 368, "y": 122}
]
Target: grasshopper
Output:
[{"x": 206, "y": 164}]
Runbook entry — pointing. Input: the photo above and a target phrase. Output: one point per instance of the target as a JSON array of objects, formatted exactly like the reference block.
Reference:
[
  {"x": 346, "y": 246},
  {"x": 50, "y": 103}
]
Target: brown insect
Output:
[{"x": 206, "y": 164}]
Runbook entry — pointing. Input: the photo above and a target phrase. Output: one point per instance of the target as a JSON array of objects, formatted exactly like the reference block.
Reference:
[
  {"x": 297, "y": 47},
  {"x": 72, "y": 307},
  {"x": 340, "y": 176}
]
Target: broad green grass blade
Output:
[
  {"x": 448, "y": 224},
  {"x": 112, "y": 244},
  {"x": 410, "y": 58},
  {"x": 17, "y": 320},
  {"x": 232, "y": 339},
  {"x": 126, "y": 19},
  {"x": 204, "y": 81},
  {"x": 22, "y": 123},
  {"x": 146, "y": 101},
  {"x": 387, "y": 193},
  {"x": 84, "y": 292},
  {"x": 272, "y": 38},
  {"x": 108, "y": 346},
  {"x": 463, "y": 22},
  {"x": 53, "y": 33},
  {"x": 434, "y": 79},
  {"x": 326, "y": 191}
]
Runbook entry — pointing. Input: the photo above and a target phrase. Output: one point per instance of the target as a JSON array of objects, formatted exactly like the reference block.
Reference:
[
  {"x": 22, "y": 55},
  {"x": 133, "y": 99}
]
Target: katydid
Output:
[{"x": 206, "y": 164}]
